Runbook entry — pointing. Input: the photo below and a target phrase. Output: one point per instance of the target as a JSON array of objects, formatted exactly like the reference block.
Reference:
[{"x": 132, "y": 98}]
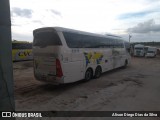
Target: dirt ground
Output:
[{"x": 136, "y": 88}]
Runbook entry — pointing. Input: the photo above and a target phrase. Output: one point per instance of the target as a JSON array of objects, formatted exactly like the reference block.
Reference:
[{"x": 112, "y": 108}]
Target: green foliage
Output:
[
  {"x": 148, "y": 43},
  {"x": 16, "y": 41}
]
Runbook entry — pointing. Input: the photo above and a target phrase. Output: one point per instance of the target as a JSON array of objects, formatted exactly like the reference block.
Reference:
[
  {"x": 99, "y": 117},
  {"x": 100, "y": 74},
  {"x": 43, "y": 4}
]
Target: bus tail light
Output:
[{"x": 59, "y": 72}]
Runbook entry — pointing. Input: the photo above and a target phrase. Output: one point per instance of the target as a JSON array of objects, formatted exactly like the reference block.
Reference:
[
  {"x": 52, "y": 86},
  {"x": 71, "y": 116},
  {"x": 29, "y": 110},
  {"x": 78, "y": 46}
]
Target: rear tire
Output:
[
  {"x": 98, "y": 72},
  {"x": 88, "y": 74}
]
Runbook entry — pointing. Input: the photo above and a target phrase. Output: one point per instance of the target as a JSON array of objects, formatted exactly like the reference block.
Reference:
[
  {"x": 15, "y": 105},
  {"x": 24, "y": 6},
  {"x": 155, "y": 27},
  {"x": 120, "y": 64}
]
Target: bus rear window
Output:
[{"x": 46, "y": 38}]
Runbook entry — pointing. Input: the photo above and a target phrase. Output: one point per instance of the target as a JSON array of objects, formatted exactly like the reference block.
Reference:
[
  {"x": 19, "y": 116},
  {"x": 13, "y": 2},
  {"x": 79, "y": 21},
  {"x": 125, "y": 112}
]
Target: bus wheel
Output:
[
  {"x": 88, "y": 74},
  {"x": 98, "y": 72}
]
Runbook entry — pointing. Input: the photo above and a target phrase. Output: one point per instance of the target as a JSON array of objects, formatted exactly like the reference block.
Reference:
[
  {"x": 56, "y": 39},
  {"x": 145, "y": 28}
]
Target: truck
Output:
[
  {"x": 151, "y": 52},
  {"x": 139, "y": 50}
]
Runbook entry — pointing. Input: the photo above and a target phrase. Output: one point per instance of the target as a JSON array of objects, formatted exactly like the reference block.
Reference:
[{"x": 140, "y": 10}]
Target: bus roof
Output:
[{"x": 61, "y": 29}]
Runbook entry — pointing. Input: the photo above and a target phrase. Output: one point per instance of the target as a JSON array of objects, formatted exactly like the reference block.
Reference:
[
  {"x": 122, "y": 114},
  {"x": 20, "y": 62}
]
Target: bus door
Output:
[
  {"x": 74, "y": 66},
  {"x": 78, "y": 62},
  {"x": 108, "y": 59}
]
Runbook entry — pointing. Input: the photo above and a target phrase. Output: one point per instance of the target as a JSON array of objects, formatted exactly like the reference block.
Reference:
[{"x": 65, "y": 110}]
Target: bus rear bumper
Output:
[{"x": 50, "y": 79}]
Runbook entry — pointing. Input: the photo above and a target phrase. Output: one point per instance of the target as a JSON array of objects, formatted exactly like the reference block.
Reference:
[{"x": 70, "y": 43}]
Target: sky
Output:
[{"x": 138, "y": 18}]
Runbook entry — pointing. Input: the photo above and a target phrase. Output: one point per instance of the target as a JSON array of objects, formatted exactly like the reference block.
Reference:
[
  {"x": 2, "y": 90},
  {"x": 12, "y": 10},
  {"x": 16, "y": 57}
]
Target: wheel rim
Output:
[
  {"x": 88, "y": 75},
  {"x": 98, "y": 72}
]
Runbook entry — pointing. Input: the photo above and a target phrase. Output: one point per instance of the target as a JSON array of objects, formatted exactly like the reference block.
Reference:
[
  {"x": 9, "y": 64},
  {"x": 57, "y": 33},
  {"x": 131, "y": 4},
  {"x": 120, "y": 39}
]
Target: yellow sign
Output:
[{"x": 19, "y": 54}]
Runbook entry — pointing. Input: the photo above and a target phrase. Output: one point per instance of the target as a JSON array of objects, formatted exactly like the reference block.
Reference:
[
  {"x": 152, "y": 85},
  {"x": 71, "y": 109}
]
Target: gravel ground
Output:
[{"x": 136, "y": 88}]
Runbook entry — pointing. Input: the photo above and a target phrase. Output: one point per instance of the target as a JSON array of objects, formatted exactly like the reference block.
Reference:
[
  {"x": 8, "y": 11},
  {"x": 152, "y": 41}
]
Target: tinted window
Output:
[
  {"x": 75, "y": 40},
  {"x": 119, "y": 43},
  {"x": 46, "y": 38},
  {"x": 21, "y": 45},
  {"x": 127, "y": 45}
]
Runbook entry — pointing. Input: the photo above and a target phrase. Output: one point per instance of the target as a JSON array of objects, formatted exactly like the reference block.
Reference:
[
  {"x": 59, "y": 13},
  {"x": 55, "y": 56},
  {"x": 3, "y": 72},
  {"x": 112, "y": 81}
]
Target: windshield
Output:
[
  {"x": 46, "y": 38},
  {"x": 139, "y": 48},
  {"x": 150, "y": 52}
]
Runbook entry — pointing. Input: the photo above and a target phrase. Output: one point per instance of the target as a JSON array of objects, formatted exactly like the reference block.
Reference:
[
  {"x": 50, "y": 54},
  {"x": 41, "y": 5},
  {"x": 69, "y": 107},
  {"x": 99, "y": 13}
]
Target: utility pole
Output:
[
  {"x": 131, "y": 45},
  {"x": 6, "y": 68},
  {"x": 129, "y": 38}
]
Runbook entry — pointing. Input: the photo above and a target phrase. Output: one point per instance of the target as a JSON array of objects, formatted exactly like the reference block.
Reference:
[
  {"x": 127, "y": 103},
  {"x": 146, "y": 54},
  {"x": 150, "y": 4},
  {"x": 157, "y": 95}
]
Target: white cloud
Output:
[
  {"x": 145, "y": 27},
  {"x": 22, "y": 12},
  {"x": 86, "y": 15}
]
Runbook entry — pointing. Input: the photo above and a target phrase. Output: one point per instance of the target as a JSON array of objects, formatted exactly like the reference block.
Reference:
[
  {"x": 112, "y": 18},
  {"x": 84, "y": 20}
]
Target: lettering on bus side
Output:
[{"x": 93, "y": 57}]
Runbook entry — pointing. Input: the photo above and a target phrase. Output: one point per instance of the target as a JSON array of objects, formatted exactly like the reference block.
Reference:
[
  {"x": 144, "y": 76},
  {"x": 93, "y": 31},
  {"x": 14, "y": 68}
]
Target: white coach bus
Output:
[{"x": 64, "y": 55}]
